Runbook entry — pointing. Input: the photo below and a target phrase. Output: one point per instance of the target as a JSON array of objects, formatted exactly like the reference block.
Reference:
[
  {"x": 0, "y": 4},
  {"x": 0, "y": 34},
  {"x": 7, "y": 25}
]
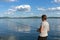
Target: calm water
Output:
[{"x": 25, "y": 29}]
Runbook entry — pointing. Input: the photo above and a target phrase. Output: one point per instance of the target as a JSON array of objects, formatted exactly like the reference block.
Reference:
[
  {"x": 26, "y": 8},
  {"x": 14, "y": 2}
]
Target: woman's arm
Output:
[{"x": 40, "y": 29}]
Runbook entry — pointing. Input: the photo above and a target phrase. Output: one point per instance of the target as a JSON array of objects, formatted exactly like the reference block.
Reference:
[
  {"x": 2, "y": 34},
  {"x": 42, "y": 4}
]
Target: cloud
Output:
[
  {"x": 41, "y": 9},
  {"x": 50, "y": 9},
  {"x": 10, "y": 11},
  {"x": 58, "y": 13},
  {"x": 31, "y": 14},
  {"x": 21, "y": 8},
  {"x": 8, "y": 0},
  {"x": 57, "y": 1},
  {"x": 1, "y": 15},
  {"x": 54, "y": 9}
]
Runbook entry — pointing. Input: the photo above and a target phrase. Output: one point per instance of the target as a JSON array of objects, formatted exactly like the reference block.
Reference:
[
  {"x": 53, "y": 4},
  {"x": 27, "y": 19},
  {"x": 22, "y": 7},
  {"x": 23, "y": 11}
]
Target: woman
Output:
[{"x": 44, "y": 28}]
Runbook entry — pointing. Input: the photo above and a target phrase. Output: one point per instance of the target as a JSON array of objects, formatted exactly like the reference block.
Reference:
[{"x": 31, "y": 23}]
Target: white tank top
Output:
[{"x": 45, "y": 25}]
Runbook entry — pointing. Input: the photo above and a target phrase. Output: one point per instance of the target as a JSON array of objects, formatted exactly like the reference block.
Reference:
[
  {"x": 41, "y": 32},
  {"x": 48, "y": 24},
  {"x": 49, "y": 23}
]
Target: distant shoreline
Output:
[{"x": 23, "y": 17}]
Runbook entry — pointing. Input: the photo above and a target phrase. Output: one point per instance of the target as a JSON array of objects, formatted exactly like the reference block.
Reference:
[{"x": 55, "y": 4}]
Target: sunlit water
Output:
[{"x": 25, "y": 29}]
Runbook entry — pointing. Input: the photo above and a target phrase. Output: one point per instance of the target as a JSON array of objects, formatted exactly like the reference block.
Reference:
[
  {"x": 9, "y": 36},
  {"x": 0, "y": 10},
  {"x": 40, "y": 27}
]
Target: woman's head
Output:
[{"x": 44, "y": 17}]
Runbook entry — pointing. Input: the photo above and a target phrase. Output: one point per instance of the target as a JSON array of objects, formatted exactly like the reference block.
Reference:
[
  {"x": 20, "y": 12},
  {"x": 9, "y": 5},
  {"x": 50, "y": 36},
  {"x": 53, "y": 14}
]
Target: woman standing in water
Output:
[{"x": 44, "y": 28}]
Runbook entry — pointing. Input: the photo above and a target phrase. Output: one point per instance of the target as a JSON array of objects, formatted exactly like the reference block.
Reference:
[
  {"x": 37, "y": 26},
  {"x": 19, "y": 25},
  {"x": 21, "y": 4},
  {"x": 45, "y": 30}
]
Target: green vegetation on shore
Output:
[{"x": 23, "y": 17}]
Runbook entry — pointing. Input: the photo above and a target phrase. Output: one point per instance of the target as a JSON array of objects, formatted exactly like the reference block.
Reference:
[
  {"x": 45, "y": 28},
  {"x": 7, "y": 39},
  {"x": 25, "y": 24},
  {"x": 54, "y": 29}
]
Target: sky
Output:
[{"x": 28, "y": 8}]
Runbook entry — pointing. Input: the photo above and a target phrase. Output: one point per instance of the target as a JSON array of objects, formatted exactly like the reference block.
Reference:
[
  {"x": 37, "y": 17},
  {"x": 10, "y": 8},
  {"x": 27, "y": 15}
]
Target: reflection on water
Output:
[
  {"x": 11, "y": 37},
  {"x": 25, "y": 29}
]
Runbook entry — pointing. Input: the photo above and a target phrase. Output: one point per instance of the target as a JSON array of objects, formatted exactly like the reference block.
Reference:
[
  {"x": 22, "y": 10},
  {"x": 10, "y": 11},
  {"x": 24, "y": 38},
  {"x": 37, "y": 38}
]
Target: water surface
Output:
[{"x": 25, "y": 29}]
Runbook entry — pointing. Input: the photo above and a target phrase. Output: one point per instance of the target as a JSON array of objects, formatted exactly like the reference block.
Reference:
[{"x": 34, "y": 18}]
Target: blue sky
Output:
[{"x": 26, "y": 8}]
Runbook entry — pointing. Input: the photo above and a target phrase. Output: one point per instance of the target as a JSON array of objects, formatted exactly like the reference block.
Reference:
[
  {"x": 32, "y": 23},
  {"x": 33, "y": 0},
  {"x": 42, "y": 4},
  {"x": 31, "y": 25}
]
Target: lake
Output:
[{"x": 25, "y": 29}]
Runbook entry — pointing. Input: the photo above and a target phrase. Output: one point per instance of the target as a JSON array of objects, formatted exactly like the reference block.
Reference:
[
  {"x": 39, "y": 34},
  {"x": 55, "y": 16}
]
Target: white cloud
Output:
[
  {"x": 58, "y": 13},
  {"x": 9, "y": 0},
  {"x": 41, "y": 9},
  {"x": 21, "y": 8},
  {"x": 54, "y": 9},
  {"x": 24, "y": 8},
  {"x": 1, "y": 15},
  {"x": 10, "y": 11},
  {"x": 31, "y": 14},
  {"x": 50, "y": 9},
  {"x": 57, "y": 1}
]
